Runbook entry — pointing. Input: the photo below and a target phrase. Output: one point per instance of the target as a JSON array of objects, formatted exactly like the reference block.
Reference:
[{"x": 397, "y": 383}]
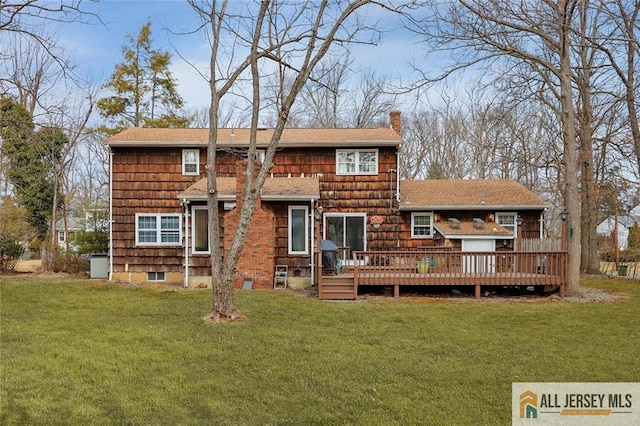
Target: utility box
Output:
[
  {"x": 622, "y": 271},
  {"x": 99, "y": 265}
]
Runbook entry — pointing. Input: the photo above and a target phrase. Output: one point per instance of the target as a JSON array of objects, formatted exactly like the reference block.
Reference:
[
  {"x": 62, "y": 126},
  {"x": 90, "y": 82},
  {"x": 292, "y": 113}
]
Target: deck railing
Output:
[{"x": 460, "y": 268}]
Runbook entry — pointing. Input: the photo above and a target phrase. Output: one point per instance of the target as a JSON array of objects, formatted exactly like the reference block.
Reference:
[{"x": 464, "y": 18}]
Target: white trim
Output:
[
  {"x": 356, "y": 170},
  {"x": 344, "y": 215},
  {"x": 110, "y": 213},
  {"x": 158, "y": 229},
  {"x": 431, "y": 233},
  {"x": 185, "y": 283},
  {"x": 184, "y": 162},
  {"x": 290, "y": 229},
  {"x": 164, "y": 276},
  {"x": 515, "y": 221}
]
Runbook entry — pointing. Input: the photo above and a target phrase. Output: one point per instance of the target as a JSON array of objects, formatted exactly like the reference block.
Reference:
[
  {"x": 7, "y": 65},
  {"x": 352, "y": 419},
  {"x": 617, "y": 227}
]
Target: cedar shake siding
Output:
[
  {"x": 147, "y": 178},
  {"x": 145, "y": 181}
]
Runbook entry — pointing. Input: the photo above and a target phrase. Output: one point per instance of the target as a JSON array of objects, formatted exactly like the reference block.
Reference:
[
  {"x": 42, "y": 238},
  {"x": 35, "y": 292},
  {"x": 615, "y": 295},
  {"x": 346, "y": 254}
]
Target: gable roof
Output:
[
  {"x": 442, "y": 194},
  {"x": 228, "y": 138},
  {"x": 275, "y": 188}
]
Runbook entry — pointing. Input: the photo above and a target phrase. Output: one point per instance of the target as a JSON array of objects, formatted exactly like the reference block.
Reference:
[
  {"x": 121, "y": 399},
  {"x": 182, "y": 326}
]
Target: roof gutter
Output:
[{"x": 508, "y": 207}]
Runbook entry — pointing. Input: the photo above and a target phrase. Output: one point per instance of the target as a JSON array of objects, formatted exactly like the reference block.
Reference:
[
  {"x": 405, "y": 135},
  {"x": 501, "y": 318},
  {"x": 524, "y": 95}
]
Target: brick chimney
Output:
[
  {"x": 257, "y": 260},
  {"x": 394, "y": 119}
]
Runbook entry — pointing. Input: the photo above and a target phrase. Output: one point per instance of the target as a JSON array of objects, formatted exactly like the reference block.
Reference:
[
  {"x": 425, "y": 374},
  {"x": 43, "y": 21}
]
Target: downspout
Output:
[
  {"x": 398, "y": 197},
  {"x": 185, "y": 203},
  {"x": 312, "y": 217},
  {"x": 110, "y": 213},
  {"x": 398, "y": 174}
]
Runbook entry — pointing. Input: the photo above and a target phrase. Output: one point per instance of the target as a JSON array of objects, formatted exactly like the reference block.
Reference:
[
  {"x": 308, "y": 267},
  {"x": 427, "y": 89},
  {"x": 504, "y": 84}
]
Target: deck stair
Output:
[{"x": 337, "y": 287}]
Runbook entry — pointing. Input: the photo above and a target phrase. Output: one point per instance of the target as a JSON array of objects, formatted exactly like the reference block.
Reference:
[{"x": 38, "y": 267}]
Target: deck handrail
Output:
[{"x": 446, "y": 267}]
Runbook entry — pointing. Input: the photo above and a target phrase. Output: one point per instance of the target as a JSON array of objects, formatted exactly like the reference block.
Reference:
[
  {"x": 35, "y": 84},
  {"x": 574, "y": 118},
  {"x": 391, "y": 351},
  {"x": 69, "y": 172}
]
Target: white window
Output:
[
  {"x": 346, "y": 230},
  {"x": 259, "y": 155},
  {"x": 357, "y": 162},
  {"x": 200, "y": 229},
  {"x": 190, "y": 161},
  {"x": 508, "y": 221},
  {"x": 61, "y": 236},
  {"x": 158, "y": 229},
  {"x": 298, "y": 229},
  {"x": 155, "y": 276},
  {"x": 421, "y": 225}
]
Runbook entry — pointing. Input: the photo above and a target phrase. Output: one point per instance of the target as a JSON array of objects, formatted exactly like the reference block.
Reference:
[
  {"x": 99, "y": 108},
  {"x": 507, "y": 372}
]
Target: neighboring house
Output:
[
  {"x": 95, "y": 219},
  {"x": 325, "y": 184},
  {"x": 608, "y": 225},
  {"x": 66, "y": 233}
]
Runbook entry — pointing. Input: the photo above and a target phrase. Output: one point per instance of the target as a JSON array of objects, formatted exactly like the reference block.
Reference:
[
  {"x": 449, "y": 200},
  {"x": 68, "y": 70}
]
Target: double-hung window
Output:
[
  {"x": 298, "y": 230},
  {"x": 357, "y": 162},
  {"x": 508, "y": 222},
  {"x": 158, "y": 229},
  {"x": 421, "y": 225},
  {"x": 190, "y": 161}
]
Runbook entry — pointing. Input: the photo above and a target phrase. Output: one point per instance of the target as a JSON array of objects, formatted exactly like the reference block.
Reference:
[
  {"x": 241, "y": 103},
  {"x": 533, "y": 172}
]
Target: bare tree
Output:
[
  {"x": 622, "y": 47},
  {"x": 249, "y": 41},
  {"x": 538, "y": 34}
]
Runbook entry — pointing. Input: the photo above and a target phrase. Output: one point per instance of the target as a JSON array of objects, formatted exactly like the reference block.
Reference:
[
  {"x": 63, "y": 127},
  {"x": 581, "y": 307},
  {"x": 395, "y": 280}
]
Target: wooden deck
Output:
[{"x": 445, "y": 268}]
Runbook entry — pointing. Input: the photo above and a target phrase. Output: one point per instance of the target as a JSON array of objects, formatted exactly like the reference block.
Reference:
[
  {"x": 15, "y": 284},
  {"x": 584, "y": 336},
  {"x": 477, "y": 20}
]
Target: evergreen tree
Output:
[
  {"x": 633, "y": 240},
  {"x": 145, "y": 92},
  {"x": 32, "y": 156}
]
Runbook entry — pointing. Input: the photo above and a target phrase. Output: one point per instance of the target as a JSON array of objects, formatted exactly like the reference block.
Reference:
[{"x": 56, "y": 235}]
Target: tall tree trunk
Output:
[{"x": 570, "y": 157}]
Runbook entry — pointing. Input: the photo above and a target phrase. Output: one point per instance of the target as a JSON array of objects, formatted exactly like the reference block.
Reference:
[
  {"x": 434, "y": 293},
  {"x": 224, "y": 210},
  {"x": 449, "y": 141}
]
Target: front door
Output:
[{"x": 346, "y": 230}]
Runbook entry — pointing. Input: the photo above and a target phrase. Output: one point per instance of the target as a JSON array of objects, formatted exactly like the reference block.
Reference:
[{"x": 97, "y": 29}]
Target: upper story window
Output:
[
  {"x": 259, "y": 155},
  {"x": 357, "y": 162},
  {"x": 190, "y": 161},
  {"x": 158, "y": 229},
  {"x": 508, "y": 221},
  {"x": 421, "y": 225}
]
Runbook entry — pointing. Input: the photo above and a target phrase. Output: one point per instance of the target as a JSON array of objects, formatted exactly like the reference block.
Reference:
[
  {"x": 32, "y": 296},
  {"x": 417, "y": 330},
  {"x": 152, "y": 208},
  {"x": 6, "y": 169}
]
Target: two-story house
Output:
[{"x": 325, "y": 184}]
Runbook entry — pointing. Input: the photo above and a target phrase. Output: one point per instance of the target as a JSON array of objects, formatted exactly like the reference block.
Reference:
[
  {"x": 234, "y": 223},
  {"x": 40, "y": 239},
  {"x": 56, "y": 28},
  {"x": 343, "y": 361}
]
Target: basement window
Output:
[{"x": 155, "y": 276}]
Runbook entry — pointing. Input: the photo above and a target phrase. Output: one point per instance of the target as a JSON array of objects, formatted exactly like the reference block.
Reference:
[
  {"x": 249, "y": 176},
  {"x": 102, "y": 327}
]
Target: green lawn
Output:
[{"x": 95, "y": 353}]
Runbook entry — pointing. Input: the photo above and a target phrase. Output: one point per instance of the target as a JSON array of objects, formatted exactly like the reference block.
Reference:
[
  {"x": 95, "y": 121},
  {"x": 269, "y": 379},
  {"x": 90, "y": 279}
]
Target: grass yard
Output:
[{"x": 96, "y": 353}]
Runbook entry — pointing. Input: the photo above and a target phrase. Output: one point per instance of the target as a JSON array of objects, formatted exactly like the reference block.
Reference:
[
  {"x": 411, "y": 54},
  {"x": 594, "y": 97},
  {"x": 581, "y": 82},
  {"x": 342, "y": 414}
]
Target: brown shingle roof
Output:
[
  {"x": 467, "y": 228},
  {"x": 138, "y": 136},
  {"x": 441, "y": 194},
  {"x": 277, "y": 188}
]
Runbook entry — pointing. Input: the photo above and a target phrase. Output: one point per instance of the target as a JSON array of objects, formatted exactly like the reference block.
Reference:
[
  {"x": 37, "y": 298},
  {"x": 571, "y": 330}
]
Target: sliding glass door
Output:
[{"x": 346, "y": 230}]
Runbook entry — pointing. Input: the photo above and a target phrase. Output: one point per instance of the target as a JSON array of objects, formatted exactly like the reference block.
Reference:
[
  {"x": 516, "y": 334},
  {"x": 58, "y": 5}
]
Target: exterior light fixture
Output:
[{"x": 564, "y": 214}]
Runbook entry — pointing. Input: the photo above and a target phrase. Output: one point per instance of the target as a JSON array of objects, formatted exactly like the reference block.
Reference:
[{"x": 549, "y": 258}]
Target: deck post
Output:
[
  {"x": 563, "y": 290},
  {"x": 477, "y": 291},
  {"x": 396, "y": 290}
]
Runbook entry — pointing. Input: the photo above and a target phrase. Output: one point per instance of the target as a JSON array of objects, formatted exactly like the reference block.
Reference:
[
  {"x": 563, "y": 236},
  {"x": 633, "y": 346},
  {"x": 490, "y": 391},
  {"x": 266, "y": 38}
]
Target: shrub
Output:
[
  {"x": 10, "y": 252},
  {"x": 626, "y": 256}
]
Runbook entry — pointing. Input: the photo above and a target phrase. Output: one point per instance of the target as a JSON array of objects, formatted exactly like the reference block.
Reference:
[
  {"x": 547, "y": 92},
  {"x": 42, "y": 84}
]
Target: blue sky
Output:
[{"x": 95, "y": 49}]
